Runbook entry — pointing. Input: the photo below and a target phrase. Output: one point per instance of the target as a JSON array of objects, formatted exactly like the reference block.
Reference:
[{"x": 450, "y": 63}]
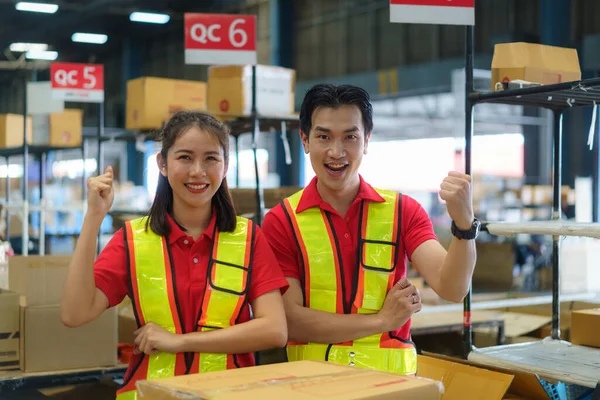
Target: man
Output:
[{"x": 343, "y": 245}]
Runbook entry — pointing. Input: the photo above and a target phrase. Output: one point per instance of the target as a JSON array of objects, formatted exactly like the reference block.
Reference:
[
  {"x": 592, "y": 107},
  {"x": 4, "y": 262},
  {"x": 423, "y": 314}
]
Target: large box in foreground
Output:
[{"x": 291, "y": 381}]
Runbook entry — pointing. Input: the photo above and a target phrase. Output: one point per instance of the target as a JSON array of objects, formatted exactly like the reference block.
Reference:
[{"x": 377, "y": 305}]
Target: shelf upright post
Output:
[
  {"x": 7, "y": 196},
  {"x": 469, "y": 88},
  {"x": 556, "y": 215},
  {"x": 99, "y": 155},
  {"x": 237, "y": 160},
  {"x": 25, "y": 180},
  {"x": 255, "y": 130},
  {"x": 43, "y": 158}
]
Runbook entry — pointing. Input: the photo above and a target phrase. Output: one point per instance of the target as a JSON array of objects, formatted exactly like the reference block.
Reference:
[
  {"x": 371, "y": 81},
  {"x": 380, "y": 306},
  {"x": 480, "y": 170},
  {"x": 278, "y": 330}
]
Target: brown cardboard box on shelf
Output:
[
  {"x": 535, "y": 63},
  {"x": 584, "y": 327},
  {"x": 152, "y": 101},
  {"x": 48, "y": 345},
  {"x": 230, "y": 90},
  {"x": 9, "y": 329},
  {"x": 463, "y": 381},
  {"x": 291, "y": 381},
  {"x": 59, "y": 129},
  {"x": 485, "y": 386},
  {"x": 11, "y": 130},
  {"x": 39, "y": 279},
  {"x": 66, "y": 128},
  {"x": 127, "y": 323}
]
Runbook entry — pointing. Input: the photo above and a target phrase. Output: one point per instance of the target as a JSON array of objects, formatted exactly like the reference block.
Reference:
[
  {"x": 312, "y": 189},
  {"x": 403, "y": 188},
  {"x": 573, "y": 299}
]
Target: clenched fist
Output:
[
  {"x": 402, "y": 301},
  {"x": 456, "y": 192},
  {"x": 100, "y": 193}
]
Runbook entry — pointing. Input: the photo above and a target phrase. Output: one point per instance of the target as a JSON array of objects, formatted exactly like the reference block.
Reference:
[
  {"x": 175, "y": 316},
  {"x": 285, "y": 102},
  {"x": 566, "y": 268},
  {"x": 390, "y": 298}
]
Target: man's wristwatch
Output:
[{"x": 469, "y": 234}]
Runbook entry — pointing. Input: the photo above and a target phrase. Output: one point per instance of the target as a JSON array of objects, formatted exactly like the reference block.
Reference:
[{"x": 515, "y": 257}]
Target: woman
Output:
[{"x": 191, "y": 268}]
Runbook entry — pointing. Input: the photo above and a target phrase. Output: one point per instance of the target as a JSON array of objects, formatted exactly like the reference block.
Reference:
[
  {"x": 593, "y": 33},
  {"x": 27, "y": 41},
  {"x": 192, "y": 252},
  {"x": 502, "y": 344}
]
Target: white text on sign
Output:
[{"x": 220, "y": 39}]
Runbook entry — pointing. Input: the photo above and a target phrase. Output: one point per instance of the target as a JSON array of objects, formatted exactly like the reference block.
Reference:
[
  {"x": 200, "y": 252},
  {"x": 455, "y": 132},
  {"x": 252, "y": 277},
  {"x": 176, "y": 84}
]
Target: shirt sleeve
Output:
[
  {"x": 416, "y": 225},
  {"x": 110, "y": 270},
  {"x": 282, "y": 243},
  {"x": 266, "y": 274}
]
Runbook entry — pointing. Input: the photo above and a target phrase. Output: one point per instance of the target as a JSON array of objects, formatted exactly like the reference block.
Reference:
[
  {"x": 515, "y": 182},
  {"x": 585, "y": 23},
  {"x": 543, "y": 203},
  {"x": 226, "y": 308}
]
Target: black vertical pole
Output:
[
  {"x": 556, "y": 215},
  {"x": 100, "y": 134},
  {"x": 237, "y": 161},
  {"x": 469, "y": 87},
  {"x": 255, "y": 129},
  {"x": 7, "y": 200},
  {"x": 25, "y": 233},
  {"x": 83, "y": 173},
  {"x": 100, "y": 153},
  {"x": 42, "y": 245}
]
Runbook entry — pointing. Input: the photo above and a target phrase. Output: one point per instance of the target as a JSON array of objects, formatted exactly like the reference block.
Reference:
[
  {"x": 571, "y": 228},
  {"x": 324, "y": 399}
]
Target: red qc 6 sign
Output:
[
  {"x": 77, "y": 82},
  {"x": 220, "y": 39}
]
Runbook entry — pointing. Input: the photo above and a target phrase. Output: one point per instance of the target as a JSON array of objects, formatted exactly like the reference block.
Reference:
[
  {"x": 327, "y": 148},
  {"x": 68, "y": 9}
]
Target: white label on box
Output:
[
  {"x": 40, "y": 100},
  {"x": 274, "y": 90}
]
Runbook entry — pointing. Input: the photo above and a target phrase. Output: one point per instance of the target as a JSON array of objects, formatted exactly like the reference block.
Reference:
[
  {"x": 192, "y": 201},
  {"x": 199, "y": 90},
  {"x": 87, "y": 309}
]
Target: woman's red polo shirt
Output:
[
  {"x": 416, "y": 228},
  {"x": 190, "y": 260}
]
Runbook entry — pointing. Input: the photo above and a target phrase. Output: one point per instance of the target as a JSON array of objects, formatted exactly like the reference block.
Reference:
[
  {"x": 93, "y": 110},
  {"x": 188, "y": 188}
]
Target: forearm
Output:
[
  {"x": 307, "y": 325},
  {"x": 457, "y": 270},
  {"x": 80, "y": 288},
  {"x": 255, "y": 335}
]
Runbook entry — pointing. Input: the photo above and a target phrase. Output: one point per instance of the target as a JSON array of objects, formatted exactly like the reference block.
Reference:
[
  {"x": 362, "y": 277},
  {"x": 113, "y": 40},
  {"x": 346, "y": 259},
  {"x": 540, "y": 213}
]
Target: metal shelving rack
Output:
[
  {"x": 41, "y": 151},
  {"x": 558, "y": 98}
]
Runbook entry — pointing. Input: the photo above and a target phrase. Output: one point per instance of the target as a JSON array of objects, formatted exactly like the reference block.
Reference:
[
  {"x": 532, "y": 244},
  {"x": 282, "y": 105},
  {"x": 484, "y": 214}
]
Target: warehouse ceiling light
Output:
[
  {"x": 22, "y": 47},
  {"x": 41, "y": 55},
  {"x": 89, "y": 38},
  {"x": 37, "y": 7},
  {"x": 151, "y": 18}
]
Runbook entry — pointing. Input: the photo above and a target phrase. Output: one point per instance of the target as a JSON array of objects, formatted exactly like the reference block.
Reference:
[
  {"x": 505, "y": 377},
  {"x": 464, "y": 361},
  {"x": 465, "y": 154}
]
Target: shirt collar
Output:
[
  {"x": 311, "y": 197},
  {"x": 177, "y": 232}
]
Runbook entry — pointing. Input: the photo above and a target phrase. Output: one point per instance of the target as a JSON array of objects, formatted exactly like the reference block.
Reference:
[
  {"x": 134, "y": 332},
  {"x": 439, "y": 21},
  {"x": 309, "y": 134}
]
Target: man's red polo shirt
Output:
[
  {"x": 416, "y": 228},
  {"x": 190, "y": 260}
]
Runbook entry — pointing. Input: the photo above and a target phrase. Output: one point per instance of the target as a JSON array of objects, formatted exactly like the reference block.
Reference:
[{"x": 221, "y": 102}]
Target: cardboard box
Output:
[
  {"x": 291, "y": 381},
  {"x": 464, "y": 382},
  {"x": 60, "y": 129},
  {"x": 9, "y": 330},
  {"x": 11, "y": 130},
  {"x": 48, "y": 345},
  {"x": 127, "y": 323},
  {"x": 584, "y": 327},
  {"x": 152, "y": 101},
  {"x": 230, "y": 90},
  {"x": 534, "y": 63},
  {"x": 40, "y": 279},
  {"x": 523, "y": 384}
]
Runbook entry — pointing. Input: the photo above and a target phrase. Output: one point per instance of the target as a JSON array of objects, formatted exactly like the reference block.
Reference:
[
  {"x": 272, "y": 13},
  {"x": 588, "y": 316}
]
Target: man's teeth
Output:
[
  {"x": 336, "y": 166},
  {"x": 197, "y": 187}
]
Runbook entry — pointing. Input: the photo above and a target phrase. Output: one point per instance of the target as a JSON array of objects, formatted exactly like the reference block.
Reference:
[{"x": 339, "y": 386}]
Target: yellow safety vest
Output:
[
  {"x": 324, "y": 288},
  {"x": 154, "y": 297}
]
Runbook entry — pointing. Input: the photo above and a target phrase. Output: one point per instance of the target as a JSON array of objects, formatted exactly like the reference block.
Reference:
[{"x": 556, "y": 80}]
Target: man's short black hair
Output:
[{"x": 334, "y": 96}]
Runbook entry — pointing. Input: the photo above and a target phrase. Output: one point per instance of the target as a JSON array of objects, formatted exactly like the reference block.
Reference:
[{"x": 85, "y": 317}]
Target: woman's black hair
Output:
[{"x": 163, "y": 201}]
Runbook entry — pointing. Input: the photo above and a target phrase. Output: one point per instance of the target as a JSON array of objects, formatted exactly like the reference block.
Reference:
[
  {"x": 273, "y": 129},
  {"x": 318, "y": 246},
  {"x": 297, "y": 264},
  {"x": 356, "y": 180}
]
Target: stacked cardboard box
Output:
[{"x": 45, "y": 343}]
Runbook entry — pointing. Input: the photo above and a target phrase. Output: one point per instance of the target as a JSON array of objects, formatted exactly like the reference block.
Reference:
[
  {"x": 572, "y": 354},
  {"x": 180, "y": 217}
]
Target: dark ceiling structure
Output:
[{"x": 110, "y": 17}]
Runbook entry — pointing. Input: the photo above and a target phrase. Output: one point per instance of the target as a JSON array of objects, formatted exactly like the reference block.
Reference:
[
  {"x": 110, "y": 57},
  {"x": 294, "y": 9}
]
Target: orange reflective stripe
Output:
[
  {"x": 378, "y": 251},
  {"x": 134, "y": 295},
  {"x": 291, "y": 213},
  {"x": 171, "y": 289},
  {"x": 226, "y": 290}
]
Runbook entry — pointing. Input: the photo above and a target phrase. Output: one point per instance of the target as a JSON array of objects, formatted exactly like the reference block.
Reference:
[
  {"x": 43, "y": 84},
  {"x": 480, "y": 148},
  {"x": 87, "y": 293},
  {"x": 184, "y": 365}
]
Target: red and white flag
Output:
[{"x": 443, "y": 12}]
